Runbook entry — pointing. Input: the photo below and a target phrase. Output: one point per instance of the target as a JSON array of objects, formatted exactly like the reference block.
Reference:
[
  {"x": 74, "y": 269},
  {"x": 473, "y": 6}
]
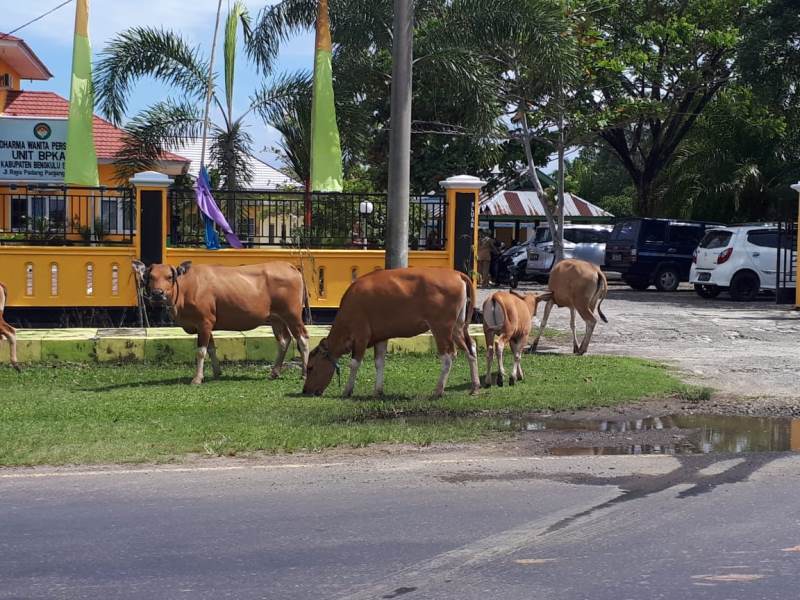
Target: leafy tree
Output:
[
  {"x": 165, "y": 56},
  {"x": 650, "y": 69},
  {"x": 737, "y": 163},
  {"x": 598, "y": 176},
  {"x": 455, "y": 114}
]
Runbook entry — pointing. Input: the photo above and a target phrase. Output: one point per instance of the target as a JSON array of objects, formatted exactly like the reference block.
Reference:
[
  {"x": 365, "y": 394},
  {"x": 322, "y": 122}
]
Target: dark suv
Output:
[{"x": 654, "y": 251}]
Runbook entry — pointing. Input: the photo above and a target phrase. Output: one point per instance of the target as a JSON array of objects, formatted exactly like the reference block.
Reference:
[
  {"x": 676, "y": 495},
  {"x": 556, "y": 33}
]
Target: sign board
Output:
[{"x": 32, "y": 148}]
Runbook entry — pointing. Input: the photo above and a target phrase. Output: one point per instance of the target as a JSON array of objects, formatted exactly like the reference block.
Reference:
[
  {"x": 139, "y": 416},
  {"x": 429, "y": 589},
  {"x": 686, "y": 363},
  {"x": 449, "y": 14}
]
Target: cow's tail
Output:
[
  {"x": 600, "y": 293},
  {"x": 469, "y": 311},
  {"x": 3, "y": 297}
]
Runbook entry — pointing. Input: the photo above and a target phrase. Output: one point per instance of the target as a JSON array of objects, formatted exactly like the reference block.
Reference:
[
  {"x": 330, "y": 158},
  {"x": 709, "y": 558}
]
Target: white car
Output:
[
  {"x": 742, "y": 260},
  {"x": 587, "y": 242}
]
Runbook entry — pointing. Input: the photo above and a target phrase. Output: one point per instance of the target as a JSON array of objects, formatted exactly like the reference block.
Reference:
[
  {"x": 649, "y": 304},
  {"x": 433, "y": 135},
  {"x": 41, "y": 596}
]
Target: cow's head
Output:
[
  {"x": 161, "y": 283},
  {"x": 321, "y": 367},
  {"x": 532, "y": 299}
]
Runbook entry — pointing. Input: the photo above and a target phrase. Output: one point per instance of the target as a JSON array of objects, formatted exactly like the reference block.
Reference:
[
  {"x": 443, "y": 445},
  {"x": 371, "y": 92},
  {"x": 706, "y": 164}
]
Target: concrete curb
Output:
[{"x": 173, "y": 345}]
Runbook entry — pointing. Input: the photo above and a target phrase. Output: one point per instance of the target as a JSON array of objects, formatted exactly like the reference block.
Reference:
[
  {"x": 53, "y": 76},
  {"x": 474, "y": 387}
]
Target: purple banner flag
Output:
[{"x": 208, "y": 206}]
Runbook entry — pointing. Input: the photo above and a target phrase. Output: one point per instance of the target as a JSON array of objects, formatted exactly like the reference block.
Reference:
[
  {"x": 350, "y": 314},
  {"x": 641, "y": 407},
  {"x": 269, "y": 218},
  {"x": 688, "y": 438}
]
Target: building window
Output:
[
  {"x": 38, "y": 213},
  {"x": 116, "y": 215}
]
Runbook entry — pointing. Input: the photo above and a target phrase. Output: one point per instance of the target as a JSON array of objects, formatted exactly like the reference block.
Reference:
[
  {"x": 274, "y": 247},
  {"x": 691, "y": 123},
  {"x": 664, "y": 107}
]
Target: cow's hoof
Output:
[
  {"x": 511, "y": 381},
  {"x": 196, "y": 381},
  {"x": 217, "y": 374},
  {"x": 17, "y": 368},
  {"x": 475, "y": 391},
  {"x": 499, "y": 380},
  {"x": 274, "y": 375}
]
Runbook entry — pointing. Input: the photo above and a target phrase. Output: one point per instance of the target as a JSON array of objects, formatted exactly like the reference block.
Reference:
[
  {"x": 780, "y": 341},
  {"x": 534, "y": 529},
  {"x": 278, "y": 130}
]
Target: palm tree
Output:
[{"x": 165, "y": 56}]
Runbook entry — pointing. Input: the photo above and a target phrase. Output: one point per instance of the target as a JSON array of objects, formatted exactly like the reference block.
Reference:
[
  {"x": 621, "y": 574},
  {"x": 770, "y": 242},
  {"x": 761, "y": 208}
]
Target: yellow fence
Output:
[{"x": 101, "y": 276}]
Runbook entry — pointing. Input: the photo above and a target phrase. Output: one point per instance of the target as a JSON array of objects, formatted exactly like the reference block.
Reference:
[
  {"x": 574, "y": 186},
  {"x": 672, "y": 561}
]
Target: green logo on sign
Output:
[{"x": 42, "y": 131}]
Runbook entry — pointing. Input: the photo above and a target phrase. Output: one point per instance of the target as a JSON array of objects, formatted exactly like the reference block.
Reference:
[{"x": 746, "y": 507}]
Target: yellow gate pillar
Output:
[
  {"x": 463, "y": 204},
  {"x": 151, "y": 216}
]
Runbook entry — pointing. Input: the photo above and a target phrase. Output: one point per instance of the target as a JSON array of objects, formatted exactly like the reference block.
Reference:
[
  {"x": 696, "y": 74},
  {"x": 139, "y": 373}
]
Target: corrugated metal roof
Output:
[
  {"x": 528, "y": 204},
  {"x": 265, "y": 177}
]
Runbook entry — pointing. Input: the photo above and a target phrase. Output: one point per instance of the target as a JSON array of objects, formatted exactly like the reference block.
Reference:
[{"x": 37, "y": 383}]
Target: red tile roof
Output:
[{"x": 107, "y": 138}]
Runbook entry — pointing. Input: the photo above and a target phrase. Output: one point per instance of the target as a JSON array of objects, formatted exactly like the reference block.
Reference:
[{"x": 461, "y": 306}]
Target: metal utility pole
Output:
[{"x": 400, "y": 135}]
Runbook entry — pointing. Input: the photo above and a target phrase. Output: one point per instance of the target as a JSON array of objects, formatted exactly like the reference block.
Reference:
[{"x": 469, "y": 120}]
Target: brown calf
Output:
[
  {"x": 577, "y": 285},
  {"x": 6, "y": 330},
  {"x": 397, "y": 303},
  {"x": 204, "y": 298},
  {"x": 507, "y": 319}
]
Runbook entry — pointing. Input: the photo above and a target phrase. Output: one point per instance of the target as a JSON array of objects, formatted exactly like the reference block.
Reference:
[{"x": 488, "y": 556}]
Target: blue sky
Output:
[{"x": 51, "y": 39}]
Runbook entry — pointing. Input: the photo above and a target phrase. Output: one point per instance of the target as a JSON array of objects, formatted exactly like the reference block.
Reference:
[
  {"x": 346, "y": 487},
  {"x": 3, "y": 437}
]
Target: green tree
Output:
[
  {"x": 455, "y": 114},
  {"x": 165, "y": 56},
  {"x": 650, "y": 69}
]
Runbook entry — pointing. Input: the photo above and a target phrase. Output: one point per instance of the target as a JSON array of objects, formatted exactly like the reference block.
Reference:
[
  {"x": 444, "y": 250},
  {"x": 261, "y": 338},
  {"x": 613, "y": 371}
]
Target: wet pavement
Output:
[
  {"x": 741, "y": 349},
  {"x": 434, "y": 525}
]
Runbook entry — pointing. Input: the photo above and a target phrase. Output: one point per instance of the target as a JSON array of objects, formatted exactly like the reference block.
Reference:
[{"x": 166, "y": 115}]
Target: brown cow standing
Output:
[
  {"x": 397, "y": 303},
  {"x": 580, "y": 286},
  {"x": 6, "y": 330},
  {"x": 204, "y": 298},
  {"x": 507, "y": 319}
]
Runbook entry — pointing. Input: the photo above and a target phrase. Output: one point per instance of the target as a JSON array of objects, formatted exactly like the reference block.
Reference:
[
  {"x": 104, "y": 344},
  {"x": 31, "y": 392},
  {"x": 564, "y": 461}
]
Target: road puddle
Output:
[{"x": 694, "y": 434}]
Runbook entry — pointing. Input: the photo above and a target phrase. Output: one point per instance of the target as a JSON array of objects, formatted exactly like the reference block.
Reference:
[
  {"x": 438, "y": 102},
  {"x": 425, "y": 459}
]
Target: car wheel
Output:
[
  {"x": 745, "y": 286},
  {"x": 638, "y": 284},
  {"x": 667, "y": 280},
  {"x": 513, "y": 282},
  {"x": 707, "y": 291}
]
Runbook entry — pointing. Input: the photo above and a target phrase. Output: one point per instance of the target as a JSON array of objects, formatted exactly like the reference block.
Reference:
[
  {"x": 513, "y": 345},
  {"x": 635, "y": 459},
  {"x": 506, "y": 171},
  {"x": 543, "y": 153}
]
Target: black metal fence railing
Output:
[
  {"x": 262, "y": 218},
  {"x": 786, "y": 273},
  {"x": 66, "y": 215}
]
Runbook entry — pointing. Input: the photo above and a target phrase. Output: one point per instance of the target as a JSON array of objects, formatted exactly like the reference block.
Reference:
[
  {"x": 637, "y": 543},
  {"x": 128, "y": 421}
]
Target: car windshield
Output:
[
  {"x": 586, "y": 236},
  {"x": 716, "y": 238},
  {"x": 542, "y": 235},
  {"x": 625, "y": 231}
]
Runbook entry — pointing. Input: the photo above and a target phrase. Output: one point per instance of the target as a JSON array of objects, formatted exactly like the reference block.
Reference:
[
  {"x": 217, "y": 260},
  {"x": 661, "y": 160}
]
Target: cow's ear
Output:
[
  {"x": 184, "y": 266},
  {"x": 139, "y": 268}
]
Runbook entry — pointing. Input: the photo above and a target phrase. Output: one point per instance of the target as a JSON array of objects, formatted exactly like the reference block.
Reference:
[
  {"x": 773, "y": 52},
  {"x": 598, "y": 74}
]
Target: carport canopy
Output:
[{"x": 526, "y": 206}]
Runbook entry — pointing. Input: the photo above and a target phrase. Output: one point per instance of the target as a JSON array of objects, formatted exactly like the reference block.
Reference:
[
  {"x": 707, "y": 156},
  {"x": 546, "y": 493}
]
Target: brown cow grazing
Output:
[
  {"x": 507, "y": 319},
  {"x": 7, "y": 331},
  {"x": 397, "y": 303},
  {"x": 577, "y": 285},
  {"x": 204, "y": 298}
]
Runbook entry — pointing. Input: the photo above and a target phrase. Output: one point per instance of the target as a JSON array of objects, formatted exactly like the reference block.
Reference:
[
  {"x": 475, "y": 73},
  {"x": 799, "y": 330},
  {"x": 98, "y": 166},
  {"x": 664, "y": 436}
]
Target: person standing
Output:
[{"x": 485, "y": 251}]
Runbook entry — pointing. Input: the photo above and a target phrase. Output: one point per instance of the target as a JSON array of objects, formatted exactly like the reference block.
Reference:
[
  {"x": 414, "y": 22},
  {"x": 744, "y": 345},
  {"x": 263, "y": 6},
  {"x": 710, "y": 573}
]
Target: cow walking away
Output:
[
  {"x": 507, "y": 319},
  {"x": 205, "y": 298},
  {"x": 7, "y": 331},
  {"x": 580, "y": 286},
  {"x": 397, "y": 303}
]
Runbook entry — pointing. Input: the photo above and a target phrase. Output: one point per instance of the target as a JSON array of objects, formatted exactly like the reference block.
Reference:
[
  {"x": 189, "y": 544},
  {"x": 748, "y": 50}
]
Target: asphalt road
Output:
[{"x": 436, "y": 525}]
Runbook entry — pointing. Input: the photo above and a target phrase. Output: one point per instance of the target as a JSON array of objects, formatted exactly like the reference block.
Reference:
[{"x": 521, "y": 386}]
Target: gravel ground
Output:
[{"x": 747, "y": 352}]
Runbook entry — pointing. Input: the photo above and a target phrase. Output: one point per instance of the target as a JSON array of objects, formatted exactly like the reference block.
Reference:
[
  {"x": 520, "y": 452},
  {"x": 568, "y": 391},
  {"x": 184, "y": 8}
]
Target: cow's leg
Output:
[
  {"x": 501, "y": 371},
  {"x": 283, "y": 338},
  {"x": 203, "y": 338},
  {"x": 572, "y": 327},
  {"x": 300, "y": 335},
  {"x": 489, "y": 356},
  {"x": 516, "y": 371},
  {"x": 590, "y": 321},
  {"x": 355, "y": 363},
  {"x": 548, "y": 307},
  {"x": 8, "y": 332},
  {"x": 212, "y": 353},
  {"x": 380, "y": 363},
  {"x": 447, "y": 351}
]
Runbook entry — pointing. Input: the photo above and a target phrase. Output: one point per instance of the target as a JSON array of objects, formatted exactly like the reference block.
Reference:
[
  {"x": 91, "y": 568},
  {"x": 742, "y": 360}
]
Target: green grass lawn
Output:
[{"x": 132, "y": 413}]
